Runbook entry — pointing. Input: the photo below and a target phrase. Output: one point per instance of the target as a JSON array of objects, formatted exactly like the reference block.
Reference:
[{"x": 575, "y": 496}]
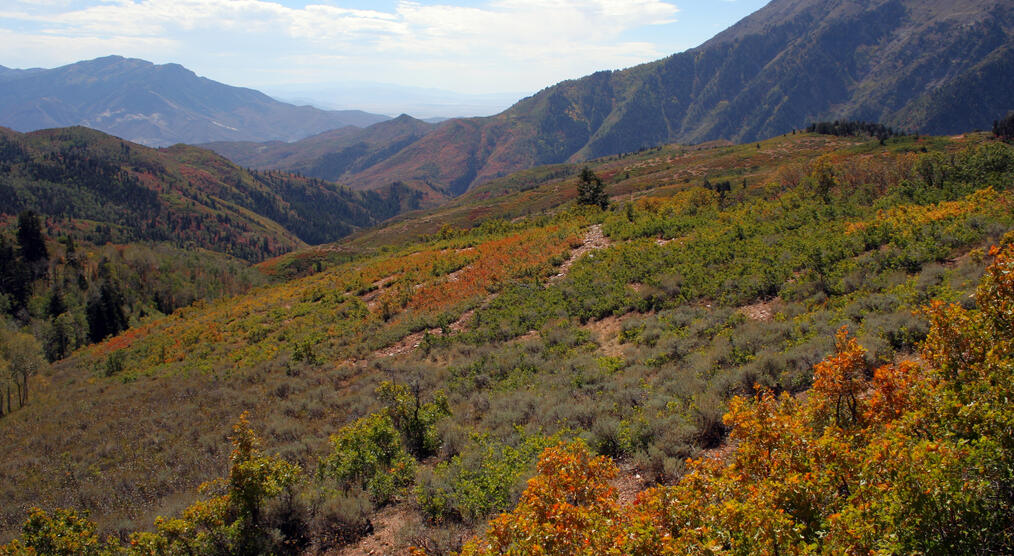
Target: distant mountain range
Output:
[
  {"x": 156, "y": 105},
  {"x": 932, "y": 66}
]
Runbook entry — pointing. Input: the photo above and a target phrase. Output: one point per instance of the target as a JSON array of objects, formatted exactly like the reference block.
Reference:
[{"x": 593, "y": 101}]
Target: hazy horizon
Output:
[{"x": 468, "y": 48}]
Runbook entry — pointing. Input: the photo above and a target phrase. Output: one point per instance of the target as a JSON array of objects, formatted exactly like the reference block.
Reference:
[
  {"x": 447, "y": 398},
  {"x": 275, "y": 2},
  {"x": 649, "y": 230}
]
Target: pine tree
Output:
[
  {"x": 105, "y": 313},
  {"x": 590, "y": 190},
  {"x": 1004, "y": 129},
  {"x": 31, "y": 242}
]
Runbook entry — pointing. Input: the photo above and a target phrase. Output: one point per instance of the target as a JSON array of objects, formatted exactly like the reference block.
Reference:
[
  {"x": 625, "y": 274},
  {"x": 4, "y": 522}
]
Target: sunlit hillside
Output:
[{"x": 414, "y": 372}]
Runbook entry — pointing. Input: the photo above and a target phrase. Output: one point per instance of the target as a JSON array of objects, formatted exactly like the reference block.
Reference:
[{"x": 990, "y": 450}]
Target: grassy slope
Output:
[{"x": 635, "y": 349}]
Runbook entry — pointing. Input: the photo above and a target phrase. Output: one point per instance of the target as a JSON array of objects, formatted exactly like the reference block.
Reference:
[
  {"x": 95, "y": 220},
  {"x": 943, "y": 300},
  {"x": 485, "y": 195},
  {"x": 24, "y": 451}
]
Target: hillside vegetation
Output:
[
  {"x": 98, "y": 234},
  {"x": 462, "y": 342},
  {"x": 98, "y": 188}
]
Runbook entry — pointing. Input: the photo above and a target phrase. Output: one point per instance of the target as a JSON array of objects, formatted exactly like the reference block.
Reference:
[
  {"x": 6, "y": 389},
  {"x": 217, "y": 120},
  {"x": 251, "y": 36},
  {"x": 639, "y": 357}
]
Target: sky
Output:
[{"x": 470, "y": 47}]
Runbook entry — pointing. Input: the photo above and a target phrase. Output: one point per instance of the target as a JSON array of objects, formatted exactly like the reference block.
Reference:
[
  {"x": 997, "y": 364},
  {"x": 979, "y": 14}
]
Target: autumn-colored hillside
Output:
[
  {"x": 98, "y": 188},
  {"x": 405, "y": 380}
]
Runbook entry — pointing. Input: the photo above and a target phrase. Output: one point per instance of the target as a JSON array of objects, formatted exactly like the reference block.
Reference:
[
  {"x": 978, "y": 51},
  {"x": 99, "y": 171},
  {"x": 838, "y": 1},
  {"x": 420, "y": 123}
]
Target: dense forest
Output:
[{"x": 777, "y": 345}]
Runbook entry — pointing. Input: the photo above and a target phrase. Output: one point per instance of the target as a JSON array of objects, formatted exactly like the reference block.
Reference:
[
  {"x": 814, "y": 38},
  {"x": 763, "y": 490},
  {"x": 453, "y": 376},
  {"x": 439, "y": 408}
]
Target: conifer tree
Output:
[
  {"x": 590, "y": 190},
  {"x": 30, "y": 240}
]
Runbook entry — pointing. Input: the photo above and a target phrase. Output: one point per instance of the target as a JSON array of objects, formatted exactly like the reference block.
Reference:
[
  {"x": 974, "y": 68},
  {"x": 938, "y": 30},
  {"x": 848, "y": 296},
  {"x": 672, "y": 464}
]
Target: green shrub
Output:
[
  {"x": 486, "y": 478},
  {"x": 62, "y": 533},
  {"x": 412, "y": 417},
  {"x": 368, "y": 454}
]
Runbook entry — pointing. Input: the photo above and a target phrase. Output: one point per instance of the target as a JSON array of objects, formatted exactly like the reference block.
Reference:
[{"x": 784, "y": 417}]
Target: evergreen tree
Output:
[
  {"x": 56, "y": 305},
  {"x": 31, "y": 242},
  {"x": 105, "y": 313},
  {"x": 590, "y": 190},
  {"x": 15, "y": 277},
  {"x": 1004, "y": 129}
]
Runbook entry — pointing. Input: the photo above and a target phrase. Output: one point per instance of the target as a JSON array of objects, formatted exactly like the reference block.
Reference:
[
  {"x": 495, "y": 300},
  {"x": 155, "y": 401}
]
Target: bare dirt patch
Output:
[
  {"x": 384, "y": 540},
  {"x": 763, "y": 311},
  {"x": 606, "y": 333},
  {"x": 628, "y": 483}
]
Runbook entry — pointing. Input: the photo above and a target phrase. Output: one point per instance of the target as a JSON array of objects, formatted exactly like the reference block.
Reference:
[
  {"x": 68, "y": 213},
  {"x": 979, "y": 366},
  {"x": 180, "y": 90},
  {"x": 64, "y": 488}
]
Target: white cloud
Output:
[{"x": 498, "y": 45}]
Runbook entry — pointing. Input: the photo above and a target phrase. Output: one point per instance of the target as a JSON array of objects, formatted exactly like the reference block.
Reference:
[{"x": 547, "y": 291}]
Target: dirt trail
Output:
[
  {"x": 412, "y": 341},
  {"x": 594, "y": 240},
  {"x": 370, "y": 297}
]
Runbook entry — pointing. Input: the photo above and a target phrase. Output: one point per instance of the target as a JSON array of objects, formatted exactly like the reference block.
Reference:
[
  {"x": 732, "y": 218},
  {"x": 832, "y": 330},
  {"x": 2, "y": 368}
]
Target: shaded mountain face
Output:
[
  {"x": 156, "y": 105},
  {"x": 899, "y": 62},
  {"x": 929, "y": 66},
  {"x": 103, "y": 189}
]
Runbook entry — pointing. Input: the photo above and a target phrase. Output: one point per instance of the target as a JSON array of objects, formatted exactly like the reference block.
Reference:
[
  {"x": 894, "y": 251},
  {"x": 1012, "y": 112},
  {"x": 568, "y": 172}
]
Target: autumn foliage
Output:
[{"x": 911, "y": 457}]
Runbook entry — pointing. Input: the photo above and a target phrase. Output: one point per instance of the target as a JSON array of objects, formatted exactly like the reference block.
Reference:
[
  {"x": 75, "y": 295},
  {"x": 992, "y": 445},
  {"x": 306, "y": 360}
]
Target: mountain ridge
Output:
[
  {"x": 911, "y": 65},
  {"x": 331, "y": 155},
  {"x": 156, "y": 105},
  {"x": 185, "y": 195}
]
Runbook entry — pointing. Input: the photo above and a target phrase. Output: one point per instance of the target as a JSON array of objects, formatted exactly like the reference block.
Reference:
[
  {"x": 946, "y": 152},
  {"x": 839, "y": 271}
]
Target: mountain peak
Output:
[
  {"x": 157, "y": 104},
  {"x": 910, "y": 64}
]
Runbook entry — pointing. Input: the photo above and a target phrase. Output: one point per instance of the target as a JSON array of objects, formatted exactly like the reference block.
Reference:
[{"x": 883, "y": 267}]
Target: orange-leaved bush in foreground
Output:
[{"x": 903, "y": 459}]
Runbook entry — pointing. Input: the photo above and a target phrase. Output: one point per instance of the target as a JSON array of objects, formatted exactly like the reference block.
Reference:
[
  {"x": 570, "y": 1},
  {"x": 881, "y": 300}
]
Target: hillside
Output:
[
  {"x": 333, "y": 155},
  {"x": 101, "y": 189},
  {"x": 910, "y": 64},
  {"x": 460, "y": 349},
  {"x": 97, "y": 234},
  {"x": 157, "y": 105}
]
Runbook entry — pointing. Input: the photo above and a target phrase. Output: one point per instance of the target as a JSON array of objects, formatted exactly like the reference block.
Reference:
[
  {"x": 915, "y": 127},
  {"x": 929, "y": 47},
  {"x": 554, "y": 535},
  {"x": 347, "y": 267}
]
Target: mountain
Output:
[
  {"x": 157, "y": 105},
  {"x": 922, "y": 66},
  {"x": 332, "y": 155},
  {"x": 7, "y": 73},
  {"x": 102, "y": 188}
]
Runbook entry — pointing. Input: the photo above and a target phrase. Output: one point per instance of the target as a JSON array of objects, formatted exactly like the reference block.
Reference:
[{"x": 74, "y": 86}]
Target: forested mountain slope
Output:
[
  {"x": 100, "y": 188},
  {"x": 97, "y": 234},
  {"x": 333, "y": 155}
]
